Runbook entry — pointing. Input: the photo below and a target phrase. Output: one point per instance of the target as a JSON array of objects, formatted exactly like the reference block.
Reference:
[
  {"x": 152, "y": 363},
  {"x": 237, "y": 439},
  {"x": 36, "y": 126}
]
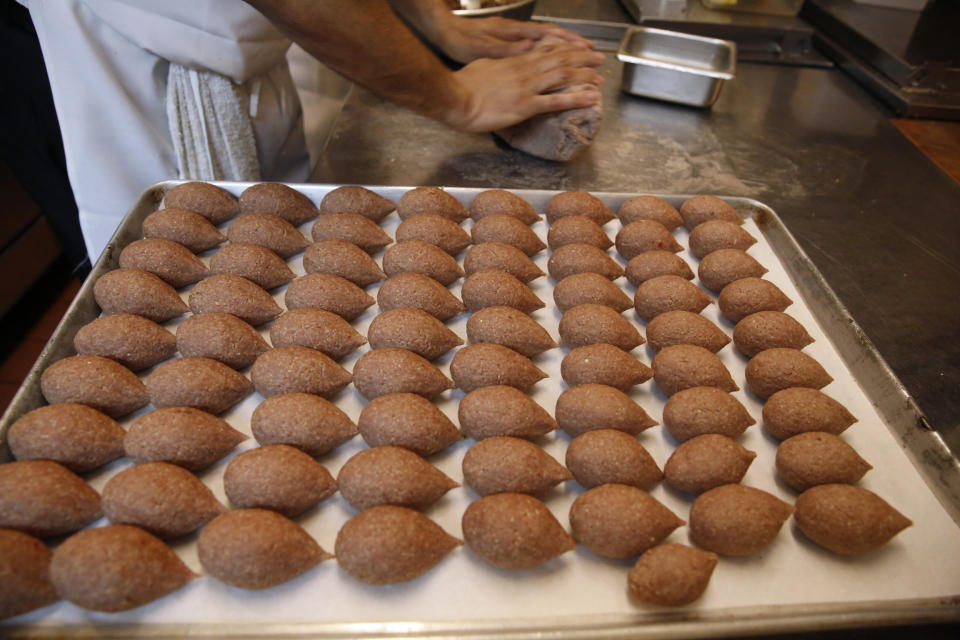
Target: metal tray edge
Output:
[{"x": 939, "y": 468}]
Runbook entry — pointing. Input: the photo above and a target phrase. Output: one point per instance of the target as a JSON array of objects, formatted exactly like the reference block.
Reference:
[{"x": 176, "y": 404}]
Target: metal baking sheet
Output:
[{"x": 793, "y": 585}]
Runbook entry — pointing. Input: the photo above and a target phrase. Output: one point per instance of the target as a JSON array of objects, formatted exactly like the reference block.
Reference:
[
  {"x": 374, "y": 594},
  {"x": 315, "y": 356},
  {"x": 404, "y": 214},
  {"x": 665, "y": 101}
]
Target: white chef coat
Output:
[{"x": 108, "y": 61}]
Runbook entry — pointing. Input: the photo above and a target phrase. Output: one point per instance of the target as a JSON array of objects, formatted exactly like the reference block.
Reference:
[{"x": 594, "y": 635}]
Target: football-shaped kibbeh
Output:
[
  {"x": 330, "y": 293},
  {"x": 742, "y": 297},
  {"x": 221, "y": 336},
  {"x": 605, "y": 456},
  {"x": 801, "y": 409},
  {"x": 668, "y": 293},
  {"x": 707, "y": 461},
  {"x": 484, "y": 364},
  {"x": 720, "y": 268},
  {"x": 380, "y": 372},
  {"x": 343, "y": 259},
  {"x": 598, "y": 324},
  {"x": 502, "y": 410},
  {"x": 603, "y": 364},
  {"x": 620, "y": 521},
  {"x": 391, "y": 475},
  {"x": 714, "y": 235},
  {"x": 577, "y": 229},
  {"x": 44, "y": 499},
  {"x": 166, "y": 500},
  {"x": 684, "y": 366},
  {"x": 277, "y": 477},
  {"x": 257, "y": 264},
  {"x": 693, "y": 412},
  {"x": 406, "y": 420},
  {"x": 700, "y": 209},
  {"x": 505, "y": 464},
  {"x": 498, "y": 288},
  {"x": 500, "y": 201},
  {"x": 25, "y": 567},
  {"x": 74, "y": 435},
  {"x": 514, "y": 531},
  {"x": 233, "y": 294},
  {"x": 815, "y": 457},
  {"x": 212, "y": 202},
  {"x": 436, "y": 230},
  {"x": 847, "y": 520},
  {"x": 183, "y": 436},
  {"x": 511, "y": 328},
  {"x": 767, "y": 330},
  {"x": 650, "y": 264},
  {"x": 685, "y": 327},
  {"x": 736, "y": 520},
  {"x": 356, "y": 199},
  {"x": 780, "y": 368},
  {"x": 201, "y": 383},
  {"x": 317, "y": 329},
  {"x": 270, "y": 231},
  {"x": 420, "y": 257},
  {"x": 507, "y": 230},
  {"x": 387, "y": 544},
  {"x": 133, "y": 341},
  {"x": 582, "y": 258},
  {"x": 302, "y": 420},
  {"x": 172, "y": 262},
  {"x": 645, "y": 235},
  {"x": 671, "y": 575},
  {"x": 95, "y": 381},
  {"x": 412, "y": 329},
  {"x": 578, "y": 203},
  {"x": 430, "y": 200},
  {"x": 595, "y": 406},
  {"x": 419, "y": 292},
  {"x": 116, "y": 568},
  {"x": 298, "y": 369},
  {"x": 256, "y": 549},
  {"x": 353, "y": 228},
  {"x": 139, "y": 293},
  {"x": 497, "y": 256},
  {"x": 278, "y": 199},
  {"x": 649, "y": 208},
  {"x": 589, "y": 288},
  {"x": 188, "y": 228}
]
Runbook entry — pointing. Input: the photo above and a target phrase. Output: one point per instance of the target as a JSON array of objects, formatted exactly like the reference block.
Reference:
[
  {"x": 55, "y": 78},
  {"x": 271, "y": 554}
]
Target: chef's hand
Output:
[
  {"x": 467, "y": 39},
  {"x": 497, "y": 93}
]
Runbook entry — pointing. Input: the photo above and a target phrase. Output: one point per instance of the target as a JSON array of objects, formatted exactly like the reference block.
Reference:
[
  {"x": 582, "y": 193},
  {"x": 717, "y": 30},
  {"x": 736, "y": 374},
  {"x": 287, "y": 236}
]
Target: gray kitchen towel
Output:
[{"x": 209, "y": 119}]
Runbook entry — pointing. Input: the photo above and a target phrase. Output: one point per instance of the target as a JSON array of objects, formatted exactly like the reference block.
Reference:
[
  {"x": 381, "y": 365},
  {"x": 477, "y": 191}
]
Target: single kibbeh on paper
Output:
[
  {"x": 485, "y": 363},
  {"x": 116, "y": 568},
  {"x": 257, "y": 549},
  {"x": 504, "y": 464},
  {"x": 514, "y": 531},
  {"x": 387, "y": 544},
  {"x": 380, "y": 372},
  {"x": 502, "y": 410},
  {"x": 407, "y": 420},
  {"x": 95, "y": 381},
  {"x": 391, "y": 475}
]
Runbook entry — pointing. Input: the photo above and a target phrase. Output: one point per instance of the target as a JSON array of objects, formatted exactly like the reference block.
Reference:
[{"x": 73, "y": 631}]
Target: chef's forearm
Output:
[{"x": 365, "y": 41}]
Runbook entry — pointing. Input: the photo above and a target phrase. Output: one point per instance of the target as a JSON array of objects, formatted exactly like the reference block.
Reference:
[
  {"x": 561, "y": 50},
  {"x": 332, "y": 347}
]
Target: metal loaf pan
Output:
[{"x": 676, "y": 67}]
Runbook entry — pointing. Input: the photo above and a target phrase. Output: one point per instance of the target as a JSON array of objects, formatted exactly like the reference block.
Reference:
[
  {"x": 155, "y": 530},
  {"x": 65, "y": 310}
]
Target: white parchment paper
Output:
[{"x": 921, "y": 562}]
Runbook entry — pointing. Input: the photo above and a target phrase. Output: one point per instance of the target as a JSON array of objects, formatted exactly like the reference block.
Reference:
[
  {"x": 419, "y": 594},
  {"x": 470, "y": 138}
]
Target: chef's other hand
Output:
[
  {"x": 497, "y": 93},
  {"x": 467, "y": 39}
]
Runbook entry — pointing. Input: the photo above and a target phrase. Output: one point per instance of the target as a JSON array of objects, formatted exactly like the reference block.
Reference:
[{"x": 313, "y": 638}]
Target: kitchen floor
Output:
[{"x": 26, "y": 328}]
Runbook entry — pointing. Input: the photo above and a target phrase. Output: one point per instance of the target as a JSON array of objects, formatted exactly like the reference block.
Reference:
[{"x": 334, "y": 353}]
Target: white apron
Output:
[{"x": 108, "y": 63}]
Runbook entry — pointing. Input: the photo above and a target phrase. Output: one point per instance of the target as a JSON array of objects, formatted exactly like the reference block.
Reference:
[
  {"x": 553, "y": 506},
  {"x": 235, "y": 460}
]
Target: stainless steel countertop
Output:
[{"x": 876, "y": 216}]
